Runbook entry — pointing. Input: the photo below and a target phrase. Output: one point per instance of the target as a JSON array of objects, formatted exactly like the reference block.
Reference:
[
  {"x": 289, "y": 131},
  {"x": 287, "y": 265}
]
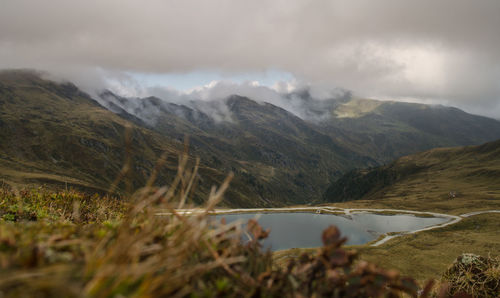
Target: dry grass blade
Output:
[
  {"x": 127, "y": 165},
  {"x": 474, "y": 275}
]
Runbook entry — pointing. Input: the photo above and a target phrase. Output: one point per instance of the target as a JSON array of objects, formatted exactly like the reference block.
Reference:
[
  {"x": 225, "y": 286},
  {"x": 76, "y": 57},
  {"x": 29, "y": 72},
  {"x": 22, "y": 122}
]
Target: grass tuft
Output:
[{"x": 474, "y": 275}]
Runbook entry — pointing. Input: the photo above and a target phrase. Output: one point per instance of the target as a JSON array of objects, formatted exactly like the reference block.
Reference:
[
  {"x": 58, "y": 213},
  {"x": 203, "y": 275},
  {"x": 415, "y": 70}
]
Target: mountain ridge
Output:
[
  {"x": 278, "y": 158},
  {"x": 380, "y": 130}
]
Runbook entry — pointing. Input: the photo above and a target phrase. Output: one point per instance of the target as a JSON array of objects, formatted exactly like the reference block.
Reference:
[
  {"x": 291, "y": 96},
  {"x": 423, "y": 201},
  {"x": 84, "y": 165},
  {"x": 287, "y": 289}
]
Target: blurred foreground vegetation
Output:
[{"x": 69, "y": 244}]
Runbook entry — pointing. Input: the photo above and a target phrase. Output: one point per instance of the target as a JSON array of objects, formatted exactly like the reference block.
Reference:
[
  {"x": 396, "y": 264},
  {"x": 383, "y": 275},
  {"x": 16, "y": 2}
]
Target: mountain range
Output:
[{"x": 54, "y": 133}]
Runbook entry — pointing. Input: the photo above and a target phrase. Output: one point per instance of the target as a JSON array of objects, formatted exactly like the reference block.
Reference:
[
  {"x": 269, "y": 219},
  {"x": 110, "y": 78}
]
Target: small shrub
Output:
[{"x": 475, "y": 275}]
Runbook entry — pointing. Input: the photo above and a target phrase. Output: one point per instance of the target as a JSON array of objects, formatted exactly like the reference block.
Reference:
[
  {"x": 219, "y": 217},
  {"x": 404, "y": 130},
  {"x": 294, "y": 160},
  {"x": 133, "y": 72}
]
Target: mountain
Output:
[
  {"x": 54, "y": 133},
  {"x": 385, "y": 130},
  {"x": 284, "y": 158},
  {"x": 55, "y": 128},
  {"x": 305, "y": 154},
  {"x": 439, "y": 177},
  {"x": 375, "y": 131}
]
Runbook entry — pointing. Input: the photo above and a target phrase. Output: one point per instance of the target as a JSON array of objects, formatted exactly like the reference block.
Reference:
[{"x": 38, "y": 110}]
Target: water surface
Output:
[{"x": 303, "y": 229}]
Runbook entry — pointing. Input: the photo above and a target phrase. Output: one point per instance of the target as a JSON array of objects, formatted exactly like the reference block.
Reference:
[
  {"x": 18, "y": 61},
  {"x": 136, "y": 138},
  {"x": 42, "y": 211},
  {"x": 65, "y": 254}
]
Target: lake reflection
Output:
[{"x": 289, "y": 230}]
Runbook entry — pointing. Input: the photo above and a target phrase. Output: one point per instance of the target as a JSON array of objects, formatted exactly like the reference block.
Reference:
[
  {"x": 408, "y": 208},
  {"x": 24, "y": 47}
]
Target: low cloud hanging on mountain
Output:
[{"x": 310, "y": 103}]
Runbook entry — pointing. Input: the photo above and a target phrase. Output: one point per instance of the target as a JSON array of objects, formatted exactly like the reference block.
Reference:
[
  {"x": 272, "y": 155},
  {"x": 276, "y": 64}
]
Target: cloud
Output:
[
  {"x": 438, "y": 51},
  {"x": 309, "y": 102}
]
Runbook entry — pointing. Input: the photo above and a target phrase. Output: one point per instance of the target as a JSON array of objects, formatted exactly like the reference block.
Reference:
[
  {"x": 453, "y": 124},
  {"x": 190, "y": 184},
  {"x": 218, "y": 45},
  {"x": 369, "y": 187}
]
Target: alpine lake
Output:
[{"x": 304, "y": 229}]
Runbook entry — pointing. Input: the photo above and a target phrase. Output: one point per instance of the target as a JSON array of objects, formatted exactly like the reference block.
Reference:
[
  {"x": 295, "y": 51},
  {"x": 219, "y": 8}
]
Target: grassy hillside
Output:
[
  {"x": 55, "y": 134},
  {"x": 445, "y": 179},
  {"x": 428, "y": 254}
]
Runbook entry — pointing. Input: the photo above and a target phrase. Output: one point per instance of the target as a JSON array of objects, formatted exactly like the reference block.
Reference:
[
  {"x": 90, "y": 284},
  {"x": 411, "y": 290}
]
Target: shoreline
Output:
[{"x": 453, "y": 219}]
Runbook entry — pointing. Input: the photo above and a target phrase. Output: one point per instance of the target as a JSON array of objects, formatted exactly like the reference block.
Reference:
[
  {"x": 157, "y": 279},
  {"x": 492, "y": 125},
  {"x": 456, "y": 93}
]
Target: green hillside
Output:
[
  {"x": 439, "y": 179},
  {"x": 54, "y": 134}
]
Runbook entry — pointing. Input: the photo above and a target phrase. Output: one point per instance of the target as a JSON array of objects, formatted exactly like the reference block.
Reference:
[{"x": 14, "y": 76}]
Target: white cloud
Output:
[{"x": 447, "y": 50}]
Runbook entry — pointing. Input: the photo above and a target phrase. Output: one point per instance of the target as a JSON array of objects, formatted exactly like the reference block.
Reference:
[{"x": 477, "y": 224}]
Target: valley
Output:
[{"x": 362, "y": 157}]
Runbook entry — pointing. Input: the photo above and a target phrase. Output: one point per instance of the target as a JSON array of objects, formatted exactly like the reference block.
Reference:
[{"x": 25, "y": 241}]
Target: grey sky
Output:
[{"x": 444, "y": 51}]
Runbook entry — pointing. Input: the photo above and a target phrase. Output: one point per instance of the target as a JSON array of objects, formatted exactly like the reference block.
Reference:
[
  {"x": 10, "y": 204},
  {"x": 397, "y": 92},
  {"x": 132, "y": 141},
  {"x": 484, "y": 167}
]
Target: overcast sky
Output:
[{"x": 427, "y": 50}]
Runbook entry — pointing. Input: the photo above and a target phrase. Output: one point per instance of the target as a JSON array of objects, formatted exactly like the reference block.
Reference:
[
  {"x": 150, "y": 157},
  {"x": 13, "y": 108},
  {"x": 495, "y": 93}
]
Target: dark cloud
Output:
[{"x": 438, "y": 51}]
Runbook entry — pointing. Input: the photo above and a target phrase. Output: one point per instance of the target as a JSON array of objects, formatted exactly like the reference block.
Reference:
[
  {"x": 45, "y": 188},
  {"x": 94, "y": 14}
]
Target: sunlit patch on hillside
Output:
[{"x": 356, "y": 108}]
